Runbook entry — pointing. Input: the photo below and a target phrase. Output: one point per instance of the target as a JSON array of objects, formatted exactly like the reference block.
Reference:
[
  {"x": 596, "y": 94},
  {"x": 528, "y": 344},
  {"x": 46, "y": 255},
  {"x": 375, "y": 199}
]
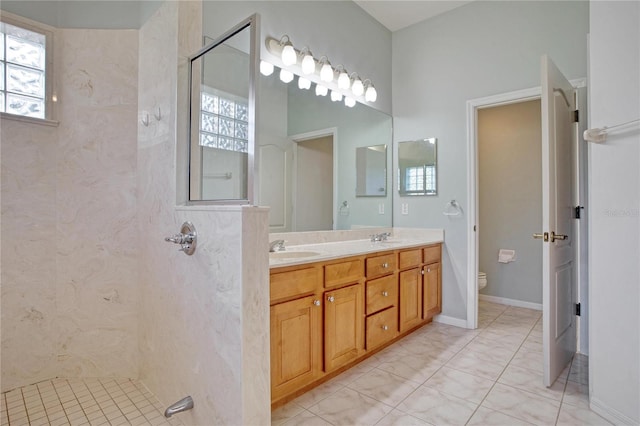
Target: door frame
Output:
[
  {"x": 473, "y": 106},
  {"x": 301, "y": 137}
]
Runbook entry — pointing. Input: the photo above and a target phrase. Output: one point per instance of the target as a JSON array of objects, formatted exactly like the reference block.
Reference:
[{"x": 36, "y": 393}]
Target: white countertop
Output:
[{"x": 308, "y": 253}]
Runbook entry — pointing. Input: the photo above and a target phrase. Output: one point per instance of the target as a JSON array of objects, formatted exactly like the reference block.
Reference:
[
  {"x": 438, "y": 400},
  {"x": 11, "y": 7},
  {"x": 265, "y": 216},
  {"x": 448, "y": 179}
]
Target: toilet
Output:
[{"x": 482, "y": 280}]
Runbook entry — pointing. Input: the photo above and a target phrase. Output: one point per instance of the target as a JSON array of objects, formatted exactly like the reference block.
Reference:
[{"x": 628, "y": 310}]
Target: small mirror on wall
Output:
[
  {"x": 222, "y": 114},
  {"x": 417, "y": 167},
  {"x": 371, "y": 171}
]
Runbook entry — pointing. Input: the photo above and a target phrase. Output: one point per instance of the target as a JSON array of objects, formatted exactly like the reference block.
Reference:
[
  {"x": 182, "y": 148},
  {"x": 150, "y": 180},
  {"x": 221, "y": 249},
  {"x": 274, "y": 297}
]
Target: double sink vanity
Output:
[{"x": 336, "y": 302}]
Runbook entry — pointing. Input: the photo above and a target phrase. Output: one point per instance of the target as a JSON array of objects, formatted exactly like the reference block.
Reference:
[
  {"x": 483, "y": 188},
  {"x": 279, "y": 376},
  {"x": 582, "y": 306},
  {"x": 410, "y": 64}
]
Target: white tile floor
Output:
[
  {"x": 439, "y": 375},
  {"x": 444, "y": 375},
  {"x": 92, "y": 402}
]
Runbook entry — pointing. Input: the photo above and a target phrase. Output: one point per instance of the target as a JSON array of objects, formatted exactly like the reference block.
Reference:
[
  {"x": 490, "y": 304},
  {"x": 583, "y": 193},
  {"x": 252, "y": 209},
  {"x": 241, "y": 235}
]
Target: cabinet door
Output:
[
  {"x": 296, "y": 344},
  {"x": 410, "y": 299},
  {"x": 343, "y": 326},
  {"x": 432, "y": 290}
]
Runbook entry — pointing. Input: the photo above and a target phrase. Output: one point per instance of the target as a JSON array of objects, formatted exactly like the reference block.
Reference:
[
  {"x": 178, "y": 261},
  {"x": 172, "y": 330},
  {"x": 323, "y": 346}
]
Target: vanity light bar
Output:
[{"x": 302, "y": 63}]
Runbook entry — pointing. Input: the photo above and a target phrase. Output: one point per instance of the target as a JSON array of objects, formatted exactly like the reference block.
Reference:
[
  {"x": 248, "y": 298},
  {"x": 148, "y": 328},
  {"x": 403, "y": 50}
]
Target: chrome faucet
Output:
[
  {"x": 183, "y": 405},
  {"x": 380, "y": 237},
  {"x": 277, "y": 245}
]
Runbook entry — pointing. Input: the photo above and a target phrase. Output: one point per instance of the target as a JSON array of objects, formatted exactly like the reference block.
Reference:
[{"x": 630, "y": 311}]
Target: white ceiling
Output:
[{"x": 398, "y": 14}]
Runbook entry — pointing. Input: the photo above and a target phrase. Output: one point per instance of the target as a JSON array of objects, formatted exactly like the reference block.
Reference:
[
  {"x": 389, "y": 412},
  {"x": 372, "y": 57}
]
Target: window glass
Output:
[
  {"x": 22, "y": 71},
  {"x": 223, "y": 121}
]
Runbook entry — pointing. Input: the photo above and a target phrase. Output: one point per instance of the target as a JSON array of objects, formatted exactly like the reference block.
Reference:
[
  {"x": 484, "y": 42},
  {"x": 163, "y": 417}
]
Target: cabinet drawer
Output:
[
  {"x": 432, "y": 254},
  {"x": 343, "y": 272},
  {"x": 293, "y": 283},
  {"x": 410, "y": 258},
  {"x": 382, "y": 327},
  {"x": 382, "y": 293},
  {"x": 381, "y": 265}
]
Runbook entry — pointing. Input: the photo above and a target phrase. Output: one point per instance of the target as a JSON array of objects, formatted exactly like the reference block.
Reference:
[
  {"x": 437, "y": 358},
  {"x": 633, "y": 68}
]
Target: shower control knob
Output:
[{"x": 187, "y": 238}]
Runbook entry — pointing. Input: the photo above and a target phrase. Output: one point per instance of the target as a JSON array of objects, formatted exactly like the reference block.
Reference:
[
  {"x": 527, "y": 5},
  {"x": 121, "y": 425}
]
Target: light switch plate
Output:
[{"x": 405, "y": 208}]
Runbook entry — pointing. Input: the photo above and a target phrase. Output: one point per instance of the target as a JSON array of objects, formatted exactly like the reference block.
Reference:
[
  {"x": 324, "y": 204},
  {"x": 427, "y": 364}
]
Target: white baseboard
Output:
[
  {"x": 443, "y": 319},
  {"x": 608, "y": 413},
  {"x": 511, "y": 302}
]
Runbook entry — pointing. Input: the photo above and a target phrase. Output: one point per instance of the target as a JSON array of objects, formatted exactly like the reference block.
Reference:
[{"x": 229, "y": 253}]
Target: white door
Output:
[{"x": 558, "y": 253}]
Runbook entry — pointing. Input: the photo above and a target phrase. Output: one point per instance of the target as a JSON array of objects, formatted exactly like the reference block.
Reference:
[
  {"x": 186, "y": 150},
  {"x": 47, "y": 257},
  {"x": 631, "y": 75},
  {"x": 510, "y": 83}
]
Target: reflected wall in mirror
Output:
[
  {"x": 221, "y": 120},
  {"x": 417, "y": 167},
  {"x": 295, "y": 125},
  {"x": 371, "y": 171}
]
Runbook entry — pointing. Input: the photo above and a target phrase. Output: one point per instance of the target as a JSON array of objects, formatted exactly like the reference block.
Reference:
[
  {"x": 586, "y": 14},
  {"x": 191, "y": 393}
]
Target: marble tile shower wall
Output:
[
  {"x": 204, "y": 318},
  {"x": 69, "y": 276}
]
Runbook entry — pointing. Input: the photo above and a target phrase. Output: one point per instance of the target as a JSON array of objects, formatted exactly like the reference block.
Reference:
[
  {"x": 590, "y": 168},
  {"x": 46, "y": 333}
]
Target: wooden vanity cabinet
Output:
[
  {"x": 432, "y": 282},
  {"x": 296, "y": 344},
  {"x": 343, "y": 326},
  {"x": 296, "y": 329},
  {"x": 327, "y": 315}
]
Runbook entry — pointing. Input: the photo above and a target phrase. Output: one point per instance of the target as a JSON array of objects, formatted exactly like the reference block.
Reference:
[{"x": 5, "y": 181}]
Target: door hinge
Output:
[
  {"x": 576, "y": 116},
  {"x": 577, "y": 309},
  {"x": 578, "y": 212}
]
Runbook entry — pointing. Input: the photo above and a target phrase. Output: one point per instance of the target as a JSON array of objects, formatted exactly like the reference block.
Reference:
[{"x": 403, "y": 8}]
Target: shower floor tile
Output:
[{"x": 79, "y": 402}]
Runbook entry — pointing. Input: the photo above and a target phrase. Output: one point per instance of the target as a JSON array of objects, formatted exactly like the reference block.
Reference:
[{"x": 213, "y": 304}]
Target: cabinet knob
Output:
[
  {"x": 385, "y": 327},
  {"x": 422, "y": 272},
  {"x": 331, "y": 298},
  {"x": 316, "y": 302},
  {"x": 385, "y": 265},
  {"x": 385, "y": 294},
  {"x": 428, "y": 269}
]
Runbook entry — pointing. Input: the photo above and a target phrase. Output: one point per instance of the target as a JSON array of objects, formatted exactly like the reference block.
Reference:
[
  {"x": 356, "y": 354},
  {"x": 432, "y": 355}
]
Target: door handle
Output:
[
  {"x": 544, "y": 237},
  {"x": 555, "y": 236}
]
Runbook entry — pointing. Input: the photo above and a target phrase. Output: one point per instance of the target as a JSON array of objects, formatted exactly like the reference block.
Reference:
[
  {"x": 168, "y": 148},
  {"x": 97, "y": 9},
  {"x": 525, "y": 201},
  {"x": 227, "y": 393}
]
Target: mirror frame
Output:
[
  {"x": 253, "y": 23},
  {"x": 402, "y": 193}
]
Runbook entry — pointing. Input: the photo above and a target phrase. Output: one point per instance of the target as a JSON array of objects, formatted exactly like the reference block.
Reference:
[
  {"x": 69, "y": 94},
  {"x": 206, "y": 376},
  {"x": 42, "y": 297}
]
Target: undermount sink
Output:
[{"x": 292, "y": 254}]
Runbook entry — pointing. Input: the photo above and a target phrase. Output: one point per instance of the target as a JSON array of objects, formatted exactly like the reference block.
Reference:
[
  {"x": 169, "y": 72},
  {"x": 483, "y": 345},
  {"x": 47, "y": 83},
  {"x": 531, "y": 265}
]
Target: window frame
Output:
[{"x": 50, "y": 115}]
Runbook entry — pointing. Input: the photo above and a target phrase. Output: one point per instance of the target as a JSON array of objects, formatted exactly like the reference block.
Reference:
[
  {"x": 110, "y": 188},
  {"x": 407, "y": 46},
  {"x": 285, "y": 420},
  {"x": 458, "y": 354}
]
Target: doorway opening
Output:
[
  {"x": 474, "y": 107},
  {"x": 314, "y": 177}
]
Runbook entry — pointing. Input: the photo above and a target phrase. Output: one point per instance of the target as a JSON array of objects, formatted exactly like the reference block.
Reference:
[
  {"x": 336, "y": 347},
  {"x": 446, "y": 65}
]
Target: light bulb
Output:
[
  {"x": 371, "y": 95},
  {"x": 343, "y": 80},
  {"x": 336, "y": 96},
  {"x": 326, "y": 72},
  {"x": 266, "y": 68},
  {"x": 321, "y": 90},
  {"x": 357, "y": 88},
  {"x": 350, "y": 102},
  {"x": 308, "y": 64},
  {"x": 286, "y": 76},
  {"x": 303, "y": 83},
  {"x": 289, "y": 56}
]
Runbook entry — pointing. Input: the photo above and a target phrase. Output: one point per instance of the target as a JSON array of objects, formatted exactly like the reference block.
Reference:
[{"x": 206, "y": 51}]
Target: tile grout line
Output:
[
  {"x": 55, "y": 389},
  {"x": 96, "y": 401},
  {"x": 42, "y": 401},
  {"x": 505, "y": 367}
]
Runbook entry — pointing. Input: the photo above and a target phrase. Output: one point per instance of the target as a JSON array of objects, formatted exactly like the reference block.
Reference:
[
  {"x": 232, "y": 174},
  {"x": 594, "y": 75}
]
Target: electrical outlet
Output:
[
  {"x": 380, "y": 208},
  {"x": 405, "y": 208}
]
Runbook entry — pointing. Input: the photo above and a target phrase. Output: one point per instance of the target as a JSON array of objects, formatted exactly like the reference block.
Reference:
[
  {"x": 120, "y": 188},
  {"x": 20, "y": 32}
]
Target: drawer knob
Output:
[
  {"x": 331, "y": 298},
  {"x": 385, "y": 327},
  {"x": 385, "y": 265},
  {"x": 316, "y": 302},
  {"x": 385, "y": 294}
]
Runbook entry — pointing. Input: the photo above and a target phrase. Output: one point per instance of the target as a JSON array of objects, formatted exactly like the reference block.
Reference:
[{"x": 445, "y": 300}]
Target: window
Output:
[
  {"x": 420, "y": 179},
  {"x": 23, "y": 71},
  {"x": 224, "y": 121}
]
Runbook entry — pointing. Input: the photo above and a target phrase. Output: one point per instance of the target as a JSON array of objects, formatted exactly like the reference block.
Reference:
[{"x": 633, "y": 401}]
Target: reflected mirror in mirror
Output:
[
  {"x": 221, "y": 139},
  {"x": 417, "y": 167},
  {"x": 307, "y": 155},
  {"x": 371, "y": 171}
]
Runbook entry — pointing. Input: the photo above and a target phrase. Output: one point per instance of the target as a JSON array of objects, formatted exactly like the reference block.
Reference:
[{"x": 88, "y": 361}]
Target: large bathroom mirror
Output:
[
  {"x": 417, "y": 167},
  {"x": 371, "y": 171},
  {"x": 222, "y": 105},
  {"x": 309, "y": 149}
]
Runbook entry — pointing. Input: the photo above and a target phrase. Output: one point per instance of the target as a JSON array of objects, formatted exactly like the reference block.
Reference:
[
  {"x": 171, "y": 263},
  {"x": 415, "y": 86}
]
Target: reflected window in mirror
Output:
[
  {"x": 222, "y": 79},
  {"x": 417, "y": 167}
]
